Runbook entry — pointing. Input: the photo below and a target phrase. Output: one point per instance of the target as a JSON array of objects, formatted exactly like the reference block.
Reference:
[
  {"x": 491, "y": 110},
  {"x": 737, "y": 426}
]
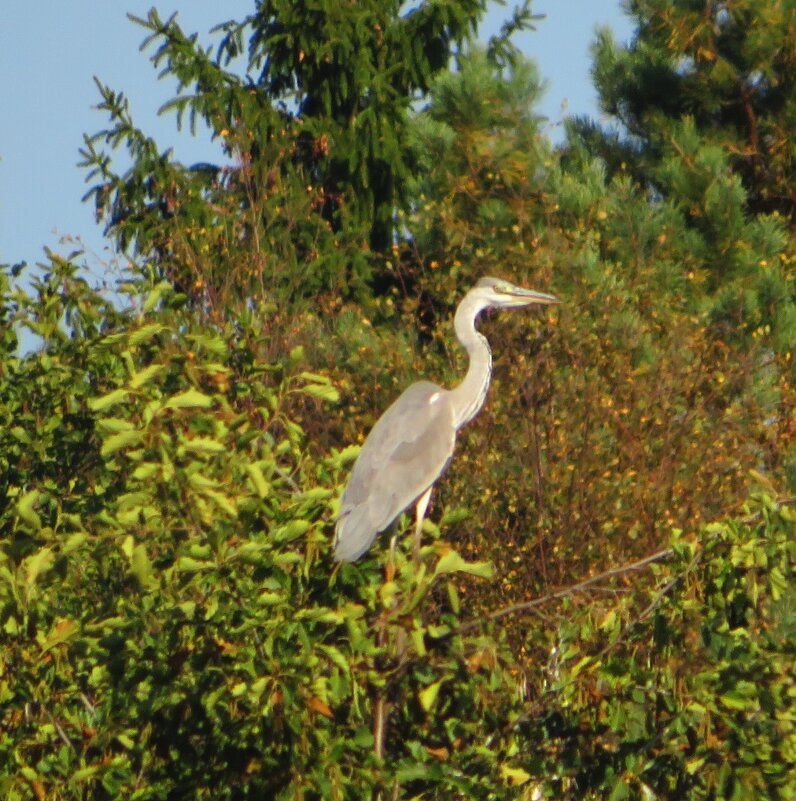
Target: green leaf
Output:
[
  {"x": 514, "y": 776},
  {"x": 203, "y": 445},
  {"x": 141, "y": 566},
  {"x": 60, "y": 632},
  {"x": 257, "y": 478},
  {"x": 37, "y": 565},
  {"x": 81, "y": 774},
  {"x": 106, "y": 401},
  {"x": 126, "y": 741},
  {"x": 144, "y": 333},
  {"x": 363, "y": 738},
  {"x": 316, "y": 378},
  {"x": 200, "y": 482},
  {"x": 214, "y": 344},
  {"x": 777, "y": 582},
  {"x": 21, "y": 435},
  {"x": 187, "y": 564},
  {"x": 123, "y": 439},
  {"x": 155, "y": 295},
  {"x": 26, "y": 510},
  {"x": 112, "y": 425},
  {"x": 428, "y": 696},
  {"x": 291, "y": 531},
  {"x": 190, "y": 399},
  {"x": 451, "y": 562},
  {"x": 620, "y": 791},
  {"x": 454, "y": 516},
  {"x": 322, "y": 391},
  {"x": 345, "y": 456},
  {"x": 221, "y": 501},
  {"x": 73, "y": 542},
  {"x": 738, "y": 700},
  {"x": 145, "y": 471},
  {"x": 143, "y": 377},
  {"x": 583, "y": 662}
]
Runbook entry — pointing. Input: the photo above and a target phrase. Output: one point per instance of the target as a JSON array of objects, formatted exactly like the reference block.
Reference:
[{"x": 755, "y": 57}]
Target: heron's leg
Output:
[
  {"x": 389, "y": 571},
  {"x": 420, "y": 513}
]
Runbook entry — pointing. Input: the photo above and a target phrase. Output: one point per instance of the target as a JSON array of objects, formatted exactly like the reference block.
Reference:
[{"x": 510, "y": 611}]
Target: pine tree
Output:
[
  {"x": 315, "y": 128},
  {"x": 728, "y": 68}
]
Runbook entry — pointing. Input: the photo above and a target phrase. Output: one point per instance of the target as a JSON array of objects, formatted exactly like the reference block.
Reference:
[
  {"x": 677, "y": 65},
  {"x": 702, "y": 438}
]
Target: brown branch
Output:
[
  {"x": 581, "y": 586},
  {"x": 527, "y": 606}
]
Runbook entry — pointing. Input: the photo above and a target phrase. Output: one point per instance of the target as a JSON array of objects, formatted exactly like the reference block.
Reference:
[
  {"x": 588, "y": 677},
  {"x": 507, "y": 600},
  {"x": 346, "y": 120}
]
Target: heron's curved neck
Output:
[{"x": 469, "y": 396}]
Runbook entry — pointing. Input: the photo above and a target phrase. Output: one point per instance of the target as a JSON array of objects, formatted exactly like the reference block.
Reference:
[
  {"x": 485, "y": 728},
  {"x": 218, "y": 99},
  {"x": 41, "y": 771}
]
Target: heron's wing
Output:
[{"x": 405, "y": 452}]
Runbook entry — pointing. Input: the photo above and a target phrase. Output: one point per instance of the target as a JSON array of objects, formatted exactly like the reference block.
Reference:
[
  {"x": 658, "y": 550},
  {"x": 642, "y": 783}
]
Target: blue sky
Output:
[{"x": 51, "y": 51}]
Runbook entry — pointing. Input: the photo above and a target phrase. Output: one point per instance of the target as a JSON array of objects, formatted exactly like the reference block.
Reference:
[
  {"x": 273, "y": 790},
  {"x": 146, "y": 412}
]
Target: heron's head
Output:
[{"x": 496, "y": 293}]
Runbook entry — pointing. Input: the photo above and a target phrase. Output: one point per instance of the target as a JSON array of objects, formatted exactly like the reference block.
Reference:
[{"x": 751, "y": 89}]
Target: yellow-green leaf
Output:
[
  {"x": 316, "y": 378},
  {"x": 189, "y": 565},
  {"x": 106, "y": 401},
  {"x": 36, "y": 565},
  {"x": 221, "y": 501},
  {"x": 204, "y": 445},
  {"x": 451, "y": 562},
  {"x": 292, "y": 531},
  {"x": 142, "y": 377},
  {"x": 145, "y": 471},
  {"x": 21, "y": 435},
  {"x": 116, "y": 442},
  {"x": 61, "y": 631},
  {"x": 112, "y": 425},
  {"x": 26, "y": 510},
  {"x": 155, "y": 295},
  {"x": 190, "y": 399},
  {"x": 200, "y": 482},
  {"x": 514, "y": 776},
  {"x": 141, "y": 565},
  {"x": 144, "y": 333},
  {"x": 258, "y": 479},
  {"x": 428, "y": 696},
  {"x": 322, "y": 391}
]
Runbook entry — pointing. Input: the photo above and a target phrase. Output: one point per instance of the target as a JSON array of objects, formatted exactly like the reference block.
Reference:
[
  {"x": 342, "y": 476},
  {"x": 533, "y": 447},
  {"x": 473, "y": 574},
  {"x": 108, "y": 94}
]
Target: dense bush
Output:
[
  {"x": 172, "y": 624},
  {"x": 606, "y": 612}
]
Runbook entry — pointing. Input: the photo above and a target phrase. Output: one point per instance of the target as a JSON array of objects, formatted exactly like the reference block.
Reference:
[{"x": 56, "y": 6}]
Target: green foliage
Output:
[
  {"x": 703, "y": 102},
  {"x": 644, "y": 401},
  {"x": 683, "y": 689},
  {"x": 728, "y": 67},
  {"x": 315, "y": 126},
  {"x": 481, "y": 164},
  {"x": 171, "y": 623}
]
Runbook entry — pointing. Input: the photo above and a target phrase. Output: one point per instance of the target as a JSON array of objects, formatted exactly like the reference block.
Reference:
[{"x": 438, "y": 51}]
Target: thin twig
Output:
[
  {"x": 58, "y": 728},
  {"x": 526, "y": 606},
  {"x": 658, "y": 556}
]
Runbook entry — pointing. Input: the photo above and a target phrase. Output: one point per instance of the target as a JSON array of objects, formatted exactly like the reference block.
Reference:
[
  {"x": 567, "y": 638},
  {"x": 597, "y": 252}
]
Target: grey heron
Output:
[{"x": 411, "y": 444}]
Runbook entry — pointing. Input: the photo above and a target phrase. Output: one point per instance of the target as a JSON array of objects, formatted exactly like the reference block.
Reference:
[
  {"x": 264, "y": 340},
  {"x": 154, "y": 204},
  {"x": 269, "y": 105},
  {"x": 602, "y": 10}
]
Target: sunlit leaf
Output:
[
  {"x": 106, "y": 401},
  {"x": 322, "y": 391},
  {"x": 428, "y": 695},
  {"x": 26, "y": 508},
  {"x": 452, "y": 562},
  {"x": 145, "y": 333},
  {"x": 190, "y": 399},
  {"x": 116, "y": 442},
  {"x": 143, "y": 377}
]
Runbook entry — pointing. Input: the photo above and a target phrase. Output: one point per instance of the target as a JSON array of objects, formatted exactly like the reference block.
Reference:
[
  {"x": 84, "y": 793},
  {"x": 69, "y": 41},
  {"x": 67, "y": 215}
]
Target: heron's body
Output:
[{"x": 412, "y": 442}]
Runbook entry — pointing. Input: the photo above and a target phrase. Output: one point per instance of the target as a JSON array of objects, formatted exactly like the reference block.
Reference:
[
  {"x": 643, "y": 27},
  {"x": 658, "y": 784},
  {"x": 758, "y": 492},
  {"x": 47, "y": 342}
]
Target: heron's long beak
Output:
[{"x": 525, "y": 297}]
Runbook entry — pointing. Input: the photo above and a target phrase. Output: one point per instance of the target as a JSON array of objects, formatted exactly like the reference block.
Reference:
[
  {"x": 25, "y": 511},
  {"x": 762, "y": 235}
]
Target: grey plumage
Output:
[
  {"x": 396, "y": 465},
  {"x": 412, "y": 442}
]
